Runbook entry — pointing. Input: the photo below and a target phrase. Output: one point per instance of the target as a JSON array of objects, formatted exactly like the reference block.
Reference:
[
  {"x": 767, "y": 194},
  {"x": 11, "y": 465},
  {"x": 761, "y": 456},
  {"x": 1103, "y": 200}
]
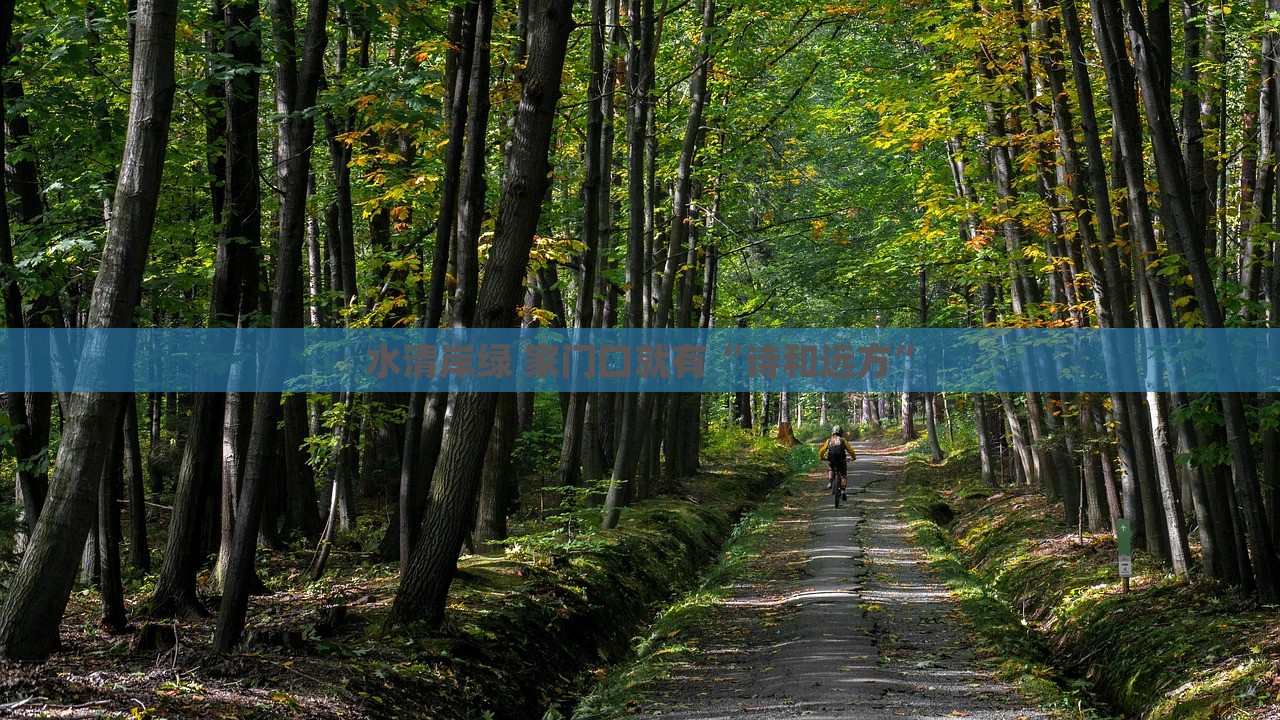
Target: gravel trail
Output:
[{"x": 839, "y": 618}]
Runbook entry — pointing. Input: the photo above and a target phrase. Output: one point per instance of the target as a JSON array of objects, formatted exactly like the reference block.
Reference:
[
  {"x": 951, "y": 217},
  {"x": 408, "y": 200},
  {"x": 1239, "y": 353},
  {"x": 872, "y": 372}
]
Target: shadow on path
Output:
[{"x": 837, "y": 619}]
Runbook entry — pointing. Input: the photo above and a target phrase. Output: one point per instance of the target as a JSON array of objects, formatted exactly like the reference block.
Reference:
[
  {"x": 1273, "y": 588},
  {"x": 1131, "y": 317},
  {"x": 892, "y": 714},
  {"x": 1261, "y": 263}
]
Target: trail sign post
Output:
[{"x": 1124, "y": 543}]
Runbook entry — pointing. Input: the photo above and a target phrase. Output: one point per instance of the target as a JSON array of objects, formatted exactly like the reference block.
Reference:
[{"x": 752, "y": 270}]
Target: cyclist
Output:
[{"x": 837, "y": 452}]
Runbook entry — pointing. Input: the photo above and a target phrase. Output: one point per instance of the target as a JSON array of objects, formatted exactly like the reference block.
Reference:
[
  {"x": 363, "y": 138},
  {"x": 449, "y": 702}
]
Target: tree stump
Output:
[
  {"x": 278, "y": 638},
  {"x": 154, "y": 636},
  {"x": 330, "y": 618},
  {"x": 786, "y": 434}
]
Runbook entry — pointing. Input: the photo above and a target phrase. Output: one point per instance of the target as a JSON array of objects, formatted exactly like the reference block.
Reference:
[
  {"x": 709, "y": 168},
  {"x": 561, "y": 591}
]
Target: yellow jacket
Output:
[{"x": 849, "y": 453}]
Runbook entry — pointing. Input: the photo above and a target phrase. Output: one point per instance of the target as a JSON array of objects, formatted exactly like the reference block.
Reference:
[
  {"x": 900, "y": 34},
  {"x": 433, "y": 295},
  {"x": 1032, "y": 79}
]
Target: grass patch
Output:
[
  {"x": 664, "y": 643},
  {"x": 1005, "y": 642}
]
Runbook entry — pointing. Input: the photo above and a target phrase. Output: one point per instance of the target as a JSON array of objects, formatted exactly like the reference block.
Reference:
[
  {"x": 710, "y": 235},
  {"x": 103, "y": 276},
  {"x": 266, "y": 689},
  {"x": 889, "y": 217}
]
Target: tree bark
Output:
[
  {"x": 175, "y": 591},
  {"x": 301, "y": 505},
  {"x": 1111, "y": 288},
  {"x": 594, "y": 199},
  {"x": 1171, "y": 170},
  {"x": 639, "y": 85},
  {"x": 297, "y": 85},
  {"x": 1017, "y": 435},
  {"x": 472, "y": 190},
  {"x": 987, "y": 452},
  {"x": 242, "y": 236},
  {"x": 233, "y": 298},
  {"x": 931, "y": 426},
  {"x": 39, "y": 590},
  {"x": 111, "y": 583},
  {"x": 497, "y": 482},
  {"x": 424, "y": 424},
  {"x": 682, "y": 421},
  {"x": 139, "y": 551},
  {"x": 425, "y": 581},
  {"x": 29, "y": 483},
  {"x": 909, "y": 433},
  {"x": 1253, "y": 232}
]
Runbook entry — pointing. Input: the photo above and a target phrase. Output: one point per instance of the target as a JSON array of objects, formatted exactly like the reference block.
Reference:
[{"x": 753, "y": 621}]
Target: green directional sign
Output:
[
  {"x": 1124, "y": 543},
  {"x": 1124, "y": 537}
]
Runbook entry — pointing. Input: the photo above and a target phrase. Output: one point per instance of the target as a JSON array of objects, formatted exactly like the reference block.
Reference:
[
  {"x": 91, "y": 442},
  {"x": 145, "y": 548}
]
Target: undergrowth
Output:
[
  {"x": 1048, "y": 606},
  {"x": 526, "y": 630},
  {"x": 664, "y": 642}
]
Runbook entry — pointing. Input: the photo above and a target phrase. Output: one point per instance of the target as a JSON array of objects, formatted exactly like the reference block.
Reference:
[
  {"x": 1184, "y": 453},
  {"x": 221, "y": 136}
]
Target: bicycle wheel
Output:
[{"x": 835, "y": 489}]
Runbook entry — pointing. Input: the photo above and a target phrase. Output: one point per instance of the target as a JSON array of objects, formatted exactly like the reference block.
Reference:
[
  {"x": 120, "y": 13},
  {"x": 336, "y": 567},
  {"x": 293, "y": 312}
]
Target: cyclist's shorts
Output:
[{"x": 841, "y": 466}]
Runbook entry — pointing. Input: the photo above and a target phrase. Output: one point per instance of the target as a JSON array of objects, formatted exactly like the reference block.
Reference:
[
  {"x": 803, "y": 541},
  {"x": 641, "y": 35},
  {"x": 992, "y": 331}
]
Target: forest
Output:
[{"x": 604, "y": 164}]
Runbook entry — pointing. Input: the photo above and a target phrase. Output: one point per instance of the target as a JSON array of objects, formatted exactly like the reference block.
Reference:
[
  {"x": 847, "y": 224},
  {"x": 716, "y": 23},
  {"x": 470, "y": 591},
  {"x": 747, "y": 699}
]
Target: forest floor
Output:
[
  {"x": 527, "y": 629},
  {"x": 838, "y": 616}
]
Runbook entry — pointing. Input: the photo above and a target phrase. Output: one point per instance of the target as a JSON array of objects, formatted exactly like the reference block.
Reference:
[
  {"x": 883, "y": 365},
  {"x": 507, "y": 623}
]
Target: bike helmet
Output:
[{"x": 837, "y": 430}]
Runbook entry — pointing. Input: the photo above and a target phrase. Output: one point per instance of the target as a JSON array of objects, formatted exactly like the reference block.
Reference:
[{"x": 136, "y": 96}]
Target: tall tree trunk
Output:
[
  {"x": 931, "y": 426},
  {"x": 472, "y": 189},
  {"x": 497, "y": 482},
  {"x": 345, "y": 435},
  {"x": 1171, "y": 170},
  {"x": 930, "y": 407},
  {"x": 38, "y": 592},
  {"x": 111, "y": 583},
  {"x": 1197, "y": 117},
  {"x": 424, "y": 425},
  {"x": 237, "y": 418},
  {"x": 597, "y": 420},
  {"x": 22, "y": 177},
  {"x": 242, "y": 232},
  {"x": 1111, "y": 289},
  {"x": 1253, "y": 234},
  {"x": 90, "y": 568},
  {"x": 595, "y": 196},
  {"x": 909, "y": 433},
  {"x": 29, "y": 484},
  {"x": 175, "y": 591},
  {"x": 1127, "y": 132},
  {"x": 1212, "y": 115},
  {"x": 301, "y": 505},
  {"x": 425, "y": 582},
  {"x": 215, "y": 128},
  {"x": 139, "y": 552},
  {"x": 1129, "y": 167},
  {"x": 639, "y": 85},
  {"x": 465, "y": 248},
  {"x": 1017, "y": 434},
  {"x": 1024, "y": 291},
  {"x": 234, "y": 296},
  {"x": 1097, "y": 512},
  {"x": 297, "y": 80},
  {"x": 987, "y": 452},
  {"x": 682, "y": 422}
]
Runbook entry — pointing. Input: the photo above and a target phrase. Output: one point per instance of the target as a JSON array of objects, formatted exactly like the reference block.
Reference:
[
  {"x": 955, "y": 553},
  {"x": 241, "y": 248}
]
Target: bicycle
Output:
[{"x": 838, "y": 489}]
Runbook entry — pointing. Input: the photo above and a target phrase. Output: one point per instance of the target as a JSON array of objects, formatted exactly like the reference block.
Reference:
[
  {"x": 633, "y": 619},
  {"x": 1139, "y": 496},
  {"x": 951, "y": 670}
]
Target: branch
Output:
[{"x": 763, "y": 303}]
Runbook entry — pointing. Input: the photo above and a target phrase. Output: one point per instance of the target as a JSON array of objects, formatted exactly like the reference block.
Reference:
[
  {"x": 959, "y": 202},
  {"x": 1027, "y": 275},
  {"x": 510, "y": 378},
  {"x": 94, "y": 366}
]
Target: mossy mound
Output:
[
  {"x": 526, "y": 629},
  {"x": 1168, "y": 649}
]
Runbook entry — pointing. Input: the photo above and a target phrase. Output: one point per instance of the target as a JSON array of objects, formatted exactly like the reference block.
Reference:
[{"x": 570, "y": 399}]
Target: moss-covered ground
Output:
[
  {"x": 528, "y": 631},
  {"x": 1049, "y": 607}
]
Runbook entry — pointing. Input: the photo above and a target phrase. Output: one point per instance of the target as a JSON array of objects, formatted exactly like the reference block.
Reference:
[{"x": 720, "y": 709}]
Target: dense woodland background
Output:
[{"x": 611, "y": 164}]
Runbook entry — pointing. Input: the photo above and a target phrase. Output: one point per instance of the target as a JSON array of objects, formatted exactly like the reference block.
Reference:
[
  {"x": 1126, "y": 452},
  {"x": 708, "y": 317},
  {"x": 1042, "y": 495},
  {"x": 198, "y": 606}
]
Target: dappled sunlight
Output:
[
  {"x": 863, "y": 634},
  {"x": 821, "y": 595},
  {"x": 909, "y": 593},
  {"x": 833, "y": 556},
  {"x": 793, "y": 598}
]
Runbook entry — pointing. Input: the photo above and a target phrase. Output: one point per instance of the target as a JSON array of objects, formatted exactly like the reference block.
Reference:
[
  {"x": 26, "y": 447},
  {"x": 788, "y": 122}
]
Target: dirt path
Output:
[{"x": 837, "y": 619}]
